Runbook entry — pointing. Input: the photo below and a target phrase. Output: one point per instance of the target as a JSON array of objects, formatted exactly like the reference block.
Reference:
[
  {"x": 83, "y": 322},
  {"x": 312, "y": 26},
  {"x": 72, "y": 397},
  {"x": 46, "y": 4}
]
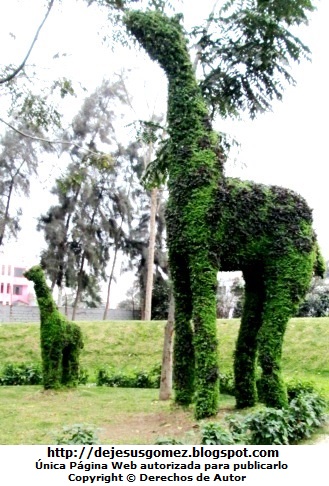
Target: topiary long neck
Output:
[
  {"x": 45, "y": 300},
  {"x": 188, "y": 125}
]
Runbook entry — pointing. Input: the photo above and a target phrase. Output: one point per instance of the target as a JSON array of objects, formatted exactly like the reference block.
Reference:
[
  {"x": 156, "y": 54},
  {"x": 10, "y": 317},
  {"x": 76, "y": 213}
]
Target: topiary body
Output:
[
  {"x": 217, "y": 223},
  {"x": 61, "y": 341}
]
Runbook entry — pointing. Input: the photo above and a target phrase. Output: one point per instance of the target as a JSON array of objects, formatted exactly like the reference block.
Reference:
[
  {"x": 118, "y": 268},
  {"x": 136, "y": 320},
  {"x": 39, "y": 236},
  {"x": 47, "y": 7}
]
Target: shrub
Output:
[
  {"x": 21, "y": 374},
  {"x": 214, "y": 434},
  {"x": 267, "y": 427},
  {"x": 290, "y": 425},
  {"x": 83, "y": 376},
  {"x": 137, "y": 379},
  {"x": 238, "y": 429},
  {"x": 29, "y": 374},
  {"x": 306, "y": 412},
  {"x": 226, "y": 383},
  {"x": 298, "y": 387},
  {"x": 79, "y": 434}
]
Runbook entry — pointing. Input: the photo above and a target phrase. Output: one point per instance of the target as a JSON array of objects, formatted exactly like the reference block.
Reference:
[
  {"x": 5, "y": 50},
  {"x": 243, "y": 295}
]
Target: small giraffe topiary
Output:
[
  {"x": 61, "y": 340},
  {"x": 219, "y": 223}
]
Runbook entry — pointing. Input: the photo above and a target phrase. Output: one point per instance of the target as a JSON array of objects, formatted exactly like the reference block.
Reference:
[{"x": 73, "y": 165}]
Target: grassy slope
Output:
[
  {"x": 31, "y": 416},
  {"x": 134, "y": 344}
]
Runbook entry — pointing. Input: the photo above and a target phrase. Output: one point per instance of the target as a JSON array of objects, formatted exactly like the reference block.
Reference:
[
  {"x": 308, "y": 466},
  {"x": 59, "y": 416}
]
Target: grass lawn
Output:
[
  {"x": 30, "y": 415},
  {"x": 120, "y": 415}
]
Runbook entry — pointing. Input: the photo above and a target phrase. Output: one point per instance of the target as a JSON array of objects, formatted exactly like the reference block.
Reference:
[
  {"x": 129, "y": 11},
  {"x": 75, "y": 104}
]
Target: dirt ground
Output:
[{"x": 148, "y": 428}]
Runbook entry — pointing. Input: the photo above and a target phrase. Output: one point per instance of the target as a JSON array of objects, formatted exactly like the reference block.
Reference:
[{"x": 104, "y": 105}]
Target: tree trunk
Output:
[
  {"x": 150, "y": 256},
  {"x": 6, "y": 214},
  {"x": 77, "y": 296},
  {"x": 107, "y": 305},
  {"x": 167, "y": 353},
  {"x": 60, "y": 296}
]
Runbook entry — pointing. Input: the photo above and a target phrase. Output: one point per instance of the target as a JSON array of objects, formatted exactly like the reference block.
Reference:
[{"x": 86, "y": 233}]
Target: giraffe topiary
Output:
[
  {"x": 218, "y": 223},
  {"x": 61, "y": 340}
]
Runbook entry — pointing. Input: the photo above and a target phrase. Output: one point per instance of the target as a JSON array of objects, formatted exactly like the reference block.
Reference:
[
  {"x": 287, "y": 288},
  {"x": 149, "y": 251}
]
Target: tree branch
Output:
[
  {"x": 205, "y": 31},
  {"x": 21, "y": 66},
  {"x": 45, "y": 140}
]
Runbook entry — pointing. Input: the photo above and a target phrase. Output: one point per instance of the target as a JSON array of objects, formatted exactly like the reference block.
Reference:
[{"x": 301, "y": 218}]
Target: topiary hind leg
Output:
[
  {"x": 245, "y": 355},
  {"x": 286, "y": 282}
]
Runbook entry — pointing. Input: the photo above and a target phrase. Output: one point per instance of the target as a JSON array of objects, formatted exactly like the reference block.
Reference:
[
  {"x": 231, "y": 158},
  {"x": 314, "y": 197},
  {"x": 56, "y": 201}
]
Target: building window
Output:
[
  {"x": 1, "y": 288},
  {"x": 8, "y": 288},
  {"x": 18, "y": 272},
  {"x": 18, "y": 289},
  {"x": 3, "y": 269},
  {"x": 9, "y": 269}
]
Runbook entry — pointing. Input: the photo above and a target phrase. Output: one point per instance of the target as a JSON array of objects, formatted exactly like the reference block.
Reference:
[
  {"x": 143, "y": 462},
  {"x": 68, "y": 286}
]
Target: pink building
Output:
[{"x": 14, "y": 288}]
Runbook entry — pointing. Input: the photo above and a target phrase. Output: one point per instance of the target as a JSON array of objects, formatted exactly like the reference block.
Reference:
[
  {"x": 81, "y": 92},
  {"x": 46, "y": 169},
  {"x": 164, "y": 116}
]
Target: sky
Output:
[{"x": 286, "y": 147}]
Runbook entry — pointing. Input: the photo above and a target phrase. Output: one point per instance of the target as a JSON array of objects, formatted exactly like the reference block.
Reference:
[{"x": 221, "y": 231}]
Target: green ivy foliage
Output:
[
  {"x": 193, "y": 173},
  {"x": 61, "y": 341},
  {"x": 216, "y": 222}
]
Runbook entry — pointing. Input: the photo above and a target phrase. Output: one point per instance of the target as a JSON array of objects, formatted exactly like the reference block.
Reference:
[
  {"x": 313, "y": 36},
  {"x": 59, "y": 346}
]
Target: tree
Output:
[
  {"x": 167, "y": 351},
  {"x": 18, "y": 162},
  {"x": 244, "y": 49},
  {"x": 149, "y": 136},
  {"x": 132, "y": 300},
  {"x": 238, "y": 291},
  {"x": 31, "y": 114},
  {"x": 82, "y": 228},
  {"x": 229, "y": 298},
  {"x": 11, "y": 72},
  {"x": 247, "y": 52}
]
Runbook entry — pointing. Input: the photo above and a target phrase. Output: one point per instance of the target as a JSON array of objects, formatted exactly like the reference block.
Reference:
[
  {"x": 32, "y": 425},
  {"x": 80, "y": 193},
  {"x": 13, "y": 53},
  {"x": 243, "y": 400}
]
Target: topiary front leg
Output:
[{"x": 203, "y": 284}]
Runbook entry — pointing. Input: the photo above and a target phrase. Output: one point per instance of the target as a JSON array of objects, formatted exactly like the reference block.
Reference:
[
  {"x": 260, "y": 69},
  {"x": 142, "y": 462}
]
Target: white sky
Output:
[{"x": 286, "y": 147}]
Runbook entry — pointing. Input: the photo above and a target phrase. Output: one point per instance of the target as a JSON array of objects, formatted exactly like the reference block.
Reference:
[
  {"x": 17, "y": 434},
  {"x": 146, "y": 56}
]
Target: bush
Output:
[
  {"x": 78, "y": 434},
  {"x": 238, "y": 429},
  {"x": 21, "y": 374},
  {"x": 268, "y": 427},
  {"x": 29, "y": 374},
  {"x": 137, "y": 379},
  {"x": 306, "y": 412},
  {"x": 214, "y": 434},
  {"x": 83, "y": 376},
  {"x": 226, "y": 383},
  {"x": 298, "y": 387}
]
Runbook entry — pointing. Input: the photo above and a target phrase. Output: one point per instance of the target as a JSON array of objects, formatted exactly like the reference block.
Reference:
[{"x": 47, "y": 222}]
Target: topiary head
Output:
[
  {"x": 35, "y": 274},
  {"x": 162, "y": 37}
]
